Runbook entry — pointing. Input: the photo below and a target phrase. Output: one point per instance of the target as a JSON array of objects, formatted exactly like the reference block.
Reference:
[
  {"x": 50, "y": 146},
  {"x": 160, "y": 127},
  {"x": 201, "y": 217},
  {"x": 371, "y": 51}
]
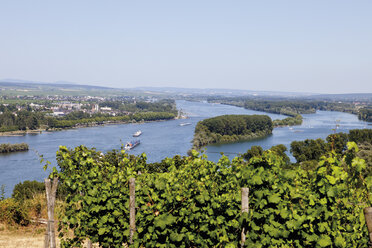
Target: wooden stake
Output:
[
  {"x": 132, "y": 208},
  {"x": 51, "y": 198},
  {"x": 46, "y": 238},
  {"x": 245, "y": 209},
  {"x": 89, "y": 244},
  {"x": 368, "y": 217}
]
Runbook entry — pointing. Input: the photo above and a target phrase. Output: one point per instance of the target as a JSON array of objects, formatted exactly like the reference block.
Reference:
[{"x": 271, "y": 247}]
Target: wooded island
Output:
[{"x": 231, "y": 128}]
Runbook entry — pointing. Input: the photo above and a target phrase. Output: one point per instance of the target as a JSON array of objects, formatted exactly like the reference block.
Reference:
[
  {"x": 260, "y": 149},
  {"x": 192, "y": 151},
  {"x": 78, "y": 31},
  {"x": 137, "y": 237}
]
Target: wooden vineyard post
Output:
[
  {"x": 46, "y": 238},
  {"x": 368, "y": 217},
  {"x": 89, "y": 244},
  {"x": 132, "y": 208},
  {"x": 51, "y": 190},
  {"x": 245, "y": 209}
]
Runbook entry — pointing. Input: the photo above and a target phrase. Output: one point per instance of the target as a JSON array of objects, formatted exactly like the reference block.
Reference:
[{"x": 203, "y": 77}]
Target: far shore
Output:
[
  {"x": 21, "y": 132},
  {"x": 92, "y": 124}
]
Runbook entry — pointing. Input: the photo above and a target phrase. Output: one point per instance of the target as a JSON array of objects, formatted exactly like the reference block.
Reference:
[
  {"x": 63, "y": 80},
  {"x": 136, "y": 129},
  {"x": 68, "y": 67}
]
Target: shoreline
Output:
[
  {"x": 235, "y": 139},
  {"x": 41, "y": 130},
  {"x": 21, "y": 132}
]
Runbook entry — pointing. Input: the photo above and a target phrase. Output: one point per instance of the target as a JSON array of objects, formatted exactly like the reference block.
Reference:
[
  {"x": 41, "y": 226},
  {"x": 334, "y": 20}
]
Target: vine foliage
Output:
[{"x": 196, "y": 203}]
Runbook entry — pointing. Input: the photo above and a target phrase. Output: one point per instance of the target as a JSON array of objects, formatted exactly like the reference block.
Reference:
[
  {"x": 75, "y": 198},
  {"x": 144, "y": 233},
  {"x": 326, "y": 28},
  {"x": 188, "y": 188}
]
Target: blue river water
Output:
[{"x": 159, "y": 139}]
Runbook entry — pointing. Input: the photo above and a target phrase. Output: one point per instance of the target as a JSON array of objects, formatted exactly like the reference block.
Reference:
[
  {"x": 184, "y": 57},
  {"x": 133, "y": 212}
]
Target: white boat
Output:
[
  {"x": 185, "y": 124},
  {"x": 130, "y": 145},
  {"x": 138, "y": 133}
]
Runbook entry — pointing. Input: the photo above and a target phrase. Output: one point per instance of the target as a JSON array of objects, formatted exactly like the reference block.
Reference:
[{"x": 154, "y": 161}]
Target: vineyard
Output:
[{"x": 193, "y": 202}]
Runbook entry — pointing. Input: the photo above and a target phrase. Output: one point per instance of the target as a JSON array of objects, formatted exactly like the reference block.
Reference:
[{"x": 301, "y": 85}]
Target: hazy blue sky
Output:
[{"x": 309, "y": 46}]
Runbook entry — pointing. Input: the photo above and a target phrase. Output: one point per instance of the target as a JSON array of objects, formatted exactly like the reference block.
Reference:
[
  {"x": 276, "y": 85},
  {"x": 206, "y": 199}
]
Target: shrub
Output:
[
  {"x": 13, "y": 212},
  {"x": 27, "y": 190}
]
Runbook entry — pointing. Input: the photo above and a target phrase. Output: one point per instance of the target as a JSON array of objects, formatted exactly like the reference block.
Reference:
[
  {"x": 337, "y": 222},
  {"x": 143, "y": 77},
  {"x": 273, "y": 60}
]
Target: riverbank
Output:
[
  {"x": 226, "y": 139},
  {"x": 21, "y": 132},
  {"x": 77, "y": 126}
]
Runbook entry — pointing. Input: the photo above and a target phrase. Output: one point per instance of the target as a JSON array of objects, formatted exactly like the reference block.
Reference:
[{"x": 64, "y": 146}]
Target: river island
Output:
[{"x": 231, "y": 128}]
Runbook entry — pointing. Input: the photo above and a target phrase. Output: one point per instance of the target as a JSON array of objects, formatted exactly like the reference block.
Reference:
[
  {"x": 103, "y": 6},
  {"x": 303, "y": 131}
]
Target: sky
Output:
[{"x": 313, "y": 46}]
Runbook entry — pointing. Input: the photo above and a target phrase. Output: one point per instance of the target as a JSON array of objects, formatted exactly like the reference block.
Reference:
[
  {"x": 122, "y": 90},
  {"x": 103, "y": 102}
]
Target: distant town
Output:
[
  {"x": 29, "y": 113},
  {"x": 62, "y": 105}
]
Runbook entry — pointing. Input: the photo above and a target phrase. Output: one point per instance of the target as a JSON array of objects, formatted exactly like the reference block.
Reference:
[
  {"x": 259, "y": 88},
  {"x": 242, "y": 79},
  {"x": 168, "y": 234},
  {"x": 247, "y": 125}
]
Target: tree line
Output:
[
  {"x": 310, "y": 149},
  {"x": 164, "y": 105},
  {"x": 365, "y": 114},
  {"x": 21, "y": 120},
  {"x": 27, "y": 120},
  {"x": 292, "y": 107},
  {"x": 101, "y": 119},
  {"x": 308, "y": 152}
]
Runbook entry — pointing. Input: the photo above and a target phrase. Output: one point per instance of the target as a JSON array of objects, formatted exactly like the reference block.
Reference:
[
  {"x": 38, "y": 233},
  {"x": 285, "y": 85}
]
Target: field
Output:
[{"x": 32, "y": 236}]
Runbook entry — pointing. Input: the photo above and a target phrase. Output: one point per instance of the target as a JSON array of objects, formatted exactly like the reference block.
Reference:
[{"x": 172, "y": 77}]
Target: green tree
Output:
[
  {"x": 308, "y": 149},
  {"x": 33, "y": 122},
  {"x": 280, "y": 150},
  {"x": 253, "y": 152}
]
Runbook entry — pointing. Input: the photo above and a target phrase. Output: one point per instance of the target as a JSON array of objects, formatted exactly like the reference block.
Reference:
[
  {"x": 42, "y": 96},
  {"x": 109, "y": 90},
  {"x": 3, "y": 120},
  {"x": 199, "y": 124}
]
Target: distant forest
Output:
[
  {"x": 287, "y": 107},
  {"x": 293, "y": 108}
]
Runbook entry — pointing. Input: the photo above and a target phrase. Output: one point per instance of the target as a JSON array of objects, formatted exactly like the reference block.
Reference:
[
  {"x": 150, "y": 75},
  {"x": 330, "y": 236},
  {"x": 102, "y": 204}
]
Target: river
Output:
[{"x": 159, "y": 139}]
